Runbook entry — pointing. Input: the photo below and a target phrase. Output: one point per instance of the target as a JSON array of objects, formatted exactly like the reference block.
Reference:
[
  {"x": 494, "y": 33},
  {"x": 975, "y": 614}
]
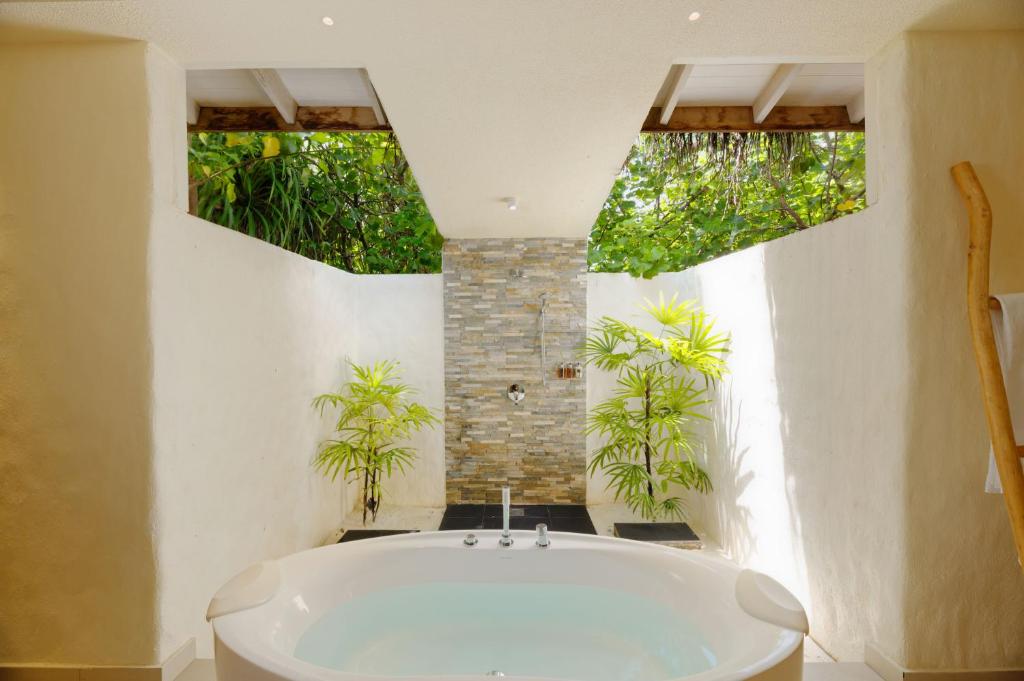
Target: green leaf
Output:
[
  {"x": 374, "y": 417},
  {"x": 647, "y": 446},
  {"x": 271, "y": 147}
]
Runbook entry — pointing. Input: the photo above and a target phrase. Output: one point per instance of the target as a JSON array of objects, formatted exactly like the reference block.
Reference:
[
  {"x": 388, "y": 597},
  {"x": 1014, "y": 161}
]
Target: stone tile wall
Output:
[{"x": 492, "y": 290}]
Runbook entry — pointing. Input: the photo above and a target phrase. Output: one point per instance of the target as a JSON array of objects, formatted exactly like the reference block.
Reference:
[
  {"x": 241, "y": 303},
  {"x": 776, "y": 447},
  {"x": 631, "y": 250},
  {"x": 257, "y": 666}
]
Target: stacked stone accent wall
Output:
[{"x": 492, "y": 290}]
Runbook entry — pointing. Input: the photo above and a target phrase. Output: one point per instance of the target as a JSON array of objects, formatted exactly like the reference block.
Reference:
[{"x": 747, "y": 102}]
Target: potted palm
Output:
[
  {"x": 663, "y": 378},
  {"x": 376, "y": 419}
]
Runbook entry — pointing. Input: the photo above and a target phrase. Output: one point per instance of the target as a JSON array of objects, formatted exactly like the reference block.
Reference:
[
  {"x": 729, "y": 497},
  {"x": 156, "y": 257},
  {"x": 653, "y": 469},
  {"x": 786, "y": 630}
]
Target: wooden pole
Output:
[{"x": 997, "y": 406}]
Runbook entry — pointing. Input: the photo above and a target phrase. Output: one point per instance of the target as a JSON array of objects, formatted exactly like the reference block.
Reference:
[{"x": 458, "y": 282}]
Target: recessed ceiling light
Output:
[
  {"x": 511, "y": 203},
  {"x": 328, "y": 21},
  {"x": 694, "y": 16}
]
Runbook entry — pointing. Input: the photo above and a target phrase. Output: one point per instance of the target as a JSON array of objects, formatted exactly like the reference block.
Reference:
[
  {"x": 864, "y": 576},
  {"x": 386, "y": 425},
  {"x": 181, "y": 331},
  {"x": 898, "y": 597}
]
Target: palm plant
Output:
[
  {"x": 662, "y": 388},
  {"x": 376, "y": 419}
]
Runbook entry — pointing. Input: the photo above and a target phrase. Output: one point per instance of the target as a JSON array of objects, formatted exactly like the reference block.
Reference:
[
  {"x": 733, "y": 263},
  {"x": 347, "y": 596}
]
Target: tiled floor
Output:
[
  {"x": 558, "y": 518},
  {"x": 427, "y": 519}
]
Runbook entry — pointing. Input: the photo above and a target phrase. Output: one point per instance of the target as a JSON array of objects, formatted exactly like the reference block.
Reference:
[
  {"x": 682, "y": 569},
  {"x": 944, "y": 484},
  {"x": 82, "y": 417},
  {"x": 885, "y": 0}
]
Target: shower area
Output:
[{"x": 515, "y": 313}]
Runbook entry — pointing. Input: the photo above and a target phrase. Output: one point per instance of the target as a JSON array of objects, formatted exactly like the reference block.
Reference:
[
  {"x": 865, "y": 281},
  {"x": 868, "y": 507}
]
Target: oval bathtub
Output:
[{"x": 427, "y": 606}]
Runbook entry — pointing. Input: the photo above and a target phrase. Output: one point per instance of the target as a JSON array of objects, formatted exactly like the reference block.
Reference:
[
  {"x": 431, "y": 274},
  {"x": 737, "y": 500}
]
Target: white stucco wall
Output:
[
  {"x": 805, "y": 446},
  {"x": 848, "y": 444},
  {"x": 77, "y": 555},
  {"x": 138, "y": 474},
  {"x": 244, "y": 335},
  {"x": 965, "y": 590},
  {"x": 401, "y": 317},
  {"x": 243, "y": 339}
]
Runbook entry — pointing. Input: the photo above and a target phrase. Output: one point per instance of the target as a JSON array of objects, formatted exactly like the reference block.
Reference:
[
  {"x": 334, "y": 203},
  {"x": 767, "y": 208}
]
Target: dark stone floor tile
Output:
[
  {"x": 519, "y": 511},
  {"x": 461, "y": 524},
  {"x": 568, "y": 511},
  {"x": 464, "y": 510},
  {"x": 579, "y": 525},
  {"x": 356, "y": 535},
  {"x": 525, "y": 523},
  {"x": 657, "y": 532},
  {"x": 492, "y": 524}
]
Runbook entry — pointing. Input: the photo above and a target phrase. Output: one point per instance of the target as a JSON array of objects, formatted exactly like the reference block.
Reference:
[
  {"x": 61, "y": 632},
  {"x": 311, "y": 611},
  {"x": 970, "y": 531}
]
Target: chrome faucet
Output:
[
  {"x": 506, "y": 503},
  {"x": 542, "y": 536}
]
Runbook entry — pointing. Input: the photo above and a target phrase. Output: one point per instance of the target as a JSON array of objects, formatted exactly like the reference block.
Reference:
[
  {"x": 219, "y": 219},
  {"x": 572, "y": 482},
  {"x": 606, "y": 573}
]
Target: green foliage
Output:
[
  {"x": 681, "y": 200},
  {"x": 662, "y": 388},
  {"x": 376, "y": 418},
  {"x": 350, "y": 199},
  {"x": 345, "y": 199}
]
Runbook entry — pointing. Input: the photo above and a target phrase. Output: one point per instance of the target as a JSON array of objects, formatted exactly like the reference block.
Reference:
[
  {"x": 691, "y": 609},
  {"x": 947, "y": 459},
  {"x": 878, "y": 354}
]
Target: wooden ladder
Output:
[{"x": 997, "y": 406}]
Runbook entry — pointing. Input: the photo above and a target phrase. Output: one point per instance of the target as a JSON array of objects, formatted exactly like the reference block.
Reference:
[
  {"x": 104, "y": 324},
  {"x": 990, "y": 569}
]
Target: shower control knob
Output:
[
  {"x": 470, "y": 540},
  {"x": 542, "y": 536}
]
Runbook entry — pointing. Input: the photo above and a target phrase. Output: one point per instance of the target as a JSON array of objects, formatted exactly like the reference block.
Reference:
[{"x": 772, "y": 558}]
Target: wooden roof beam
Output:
[
  {"x": 774, "y": 89},
  {"x": 270, "y": 82},
  {"x": 269, "y": 119},
  {"x": 741, "y": 119},
  {"x": 682, "y": 119},
  {"x": 682, "y": 75}
]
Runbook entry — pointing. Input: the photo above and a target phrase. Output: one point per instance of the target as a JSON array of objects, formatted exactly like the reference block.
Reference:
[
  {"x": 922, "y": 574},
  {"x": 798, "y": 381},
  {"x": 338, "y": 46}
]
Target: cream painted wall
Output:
[
  {"x": 401, "y": 317},
  {"x": 810, "y": 430},
  {"x": 138, "y": 475},
  {"x": 241, "y": 337},
  {"x": 77, "y": 577},
  {"x": 965, "y": 592},
  {"x": 860, "y": 486},
  {"x": 805, "y": 445},
  {"x": 245, "y": 335}
]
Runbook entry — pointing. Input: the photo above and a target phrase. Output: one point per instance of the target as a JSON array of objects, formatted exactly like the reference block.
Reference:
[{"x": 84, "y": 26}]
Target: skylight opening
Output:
[{"x": 683, "y": 199}]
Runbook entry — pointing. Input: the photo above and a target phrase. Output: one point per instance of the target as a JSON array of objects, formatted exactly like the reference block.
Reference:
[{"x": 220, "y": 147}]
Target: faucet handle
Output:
[{"x": 542, "y": 536}]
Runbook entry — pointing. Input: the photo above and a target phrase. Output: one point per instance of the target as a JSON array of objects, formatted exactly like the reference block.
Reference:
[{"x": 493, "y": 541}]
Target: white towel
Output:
[{"x": 1008, "y": 324}]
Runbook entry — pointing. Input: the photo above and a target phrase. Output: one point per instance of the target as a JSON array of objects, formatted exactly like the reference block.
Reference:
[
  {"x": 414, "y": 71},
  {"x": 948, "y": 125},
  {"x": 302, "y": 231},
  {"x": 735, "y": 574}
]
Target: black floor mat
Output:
[
  {"x": 656, "y": 532},
  {"x": 558, "y": 517},
  {"x": 355, "y": 535}
]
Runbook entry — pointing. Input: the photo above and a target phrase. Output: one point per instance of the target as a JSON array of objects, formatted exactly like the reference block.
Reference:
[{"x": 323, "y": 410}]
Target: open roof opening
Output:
[
  {"x": 269, "y": 156},
  {"x": 685, "y": 198},
  {"x": 731, "y": 155},
  {"x": 734, "y": 155}
]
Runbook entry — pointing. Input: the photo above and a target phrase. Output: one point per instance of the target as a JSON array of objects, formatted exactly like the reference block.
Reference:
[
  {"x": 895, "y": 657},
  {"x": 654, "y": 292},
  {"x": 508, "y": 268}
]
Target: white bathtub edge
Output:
[
  {"x": 762, "y": 597},
  {"x": 252, "y": 587}
]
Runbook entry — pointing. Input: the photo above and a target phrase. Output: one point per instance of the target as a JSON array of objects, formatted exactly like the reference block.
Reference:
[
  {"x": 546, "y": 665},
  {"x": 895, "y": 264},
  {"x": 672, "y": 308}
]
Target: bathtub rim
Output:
[{"x": 278, "y": 664}]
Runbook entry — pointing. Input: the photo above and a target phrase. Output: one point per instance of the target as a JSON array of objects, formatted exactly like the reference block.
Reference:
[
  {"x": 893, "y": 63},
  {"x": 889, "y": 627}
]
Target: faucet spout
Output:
[{"x": 506, "y": 504}]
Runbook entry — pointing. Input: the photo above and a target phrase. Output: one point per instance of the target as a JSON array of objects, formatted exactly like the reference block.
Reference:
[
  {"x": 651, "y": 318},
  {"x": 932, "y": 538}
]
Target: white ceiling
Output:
[
  {"x": 308, "y": 87},
  {"x": 740, "y": 84},
  {"x": 538, "y": 99}
]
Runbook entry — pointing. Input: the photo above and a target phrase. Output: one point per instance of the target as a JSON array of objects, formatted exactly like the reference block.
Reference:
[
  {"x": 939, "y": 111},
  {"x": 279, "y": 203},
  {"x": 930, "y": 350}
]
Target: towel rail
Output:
[{"x": 997, "y": 406}]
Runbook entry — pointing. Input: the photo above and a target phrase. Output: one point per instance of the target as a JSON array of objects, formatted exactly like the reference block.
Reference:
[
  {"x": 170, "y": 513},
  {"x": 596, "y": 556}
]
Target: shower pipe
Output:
[{"x": 543, "y": 355}]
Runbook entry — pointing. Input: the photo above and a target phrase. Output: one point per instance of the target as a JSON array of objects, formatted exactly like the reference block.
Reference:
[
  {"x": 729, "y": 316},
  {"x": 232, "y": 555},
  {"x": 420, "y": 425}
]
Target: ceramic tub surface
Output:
[{"x": 436, "y": 601}]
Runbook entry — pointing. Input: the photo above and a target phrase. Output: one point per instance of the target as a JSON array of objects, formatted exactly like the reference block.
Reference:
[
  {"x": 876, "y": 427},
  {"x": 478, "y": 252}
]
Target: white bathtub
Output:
[{"x": 738, "y": 624}]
